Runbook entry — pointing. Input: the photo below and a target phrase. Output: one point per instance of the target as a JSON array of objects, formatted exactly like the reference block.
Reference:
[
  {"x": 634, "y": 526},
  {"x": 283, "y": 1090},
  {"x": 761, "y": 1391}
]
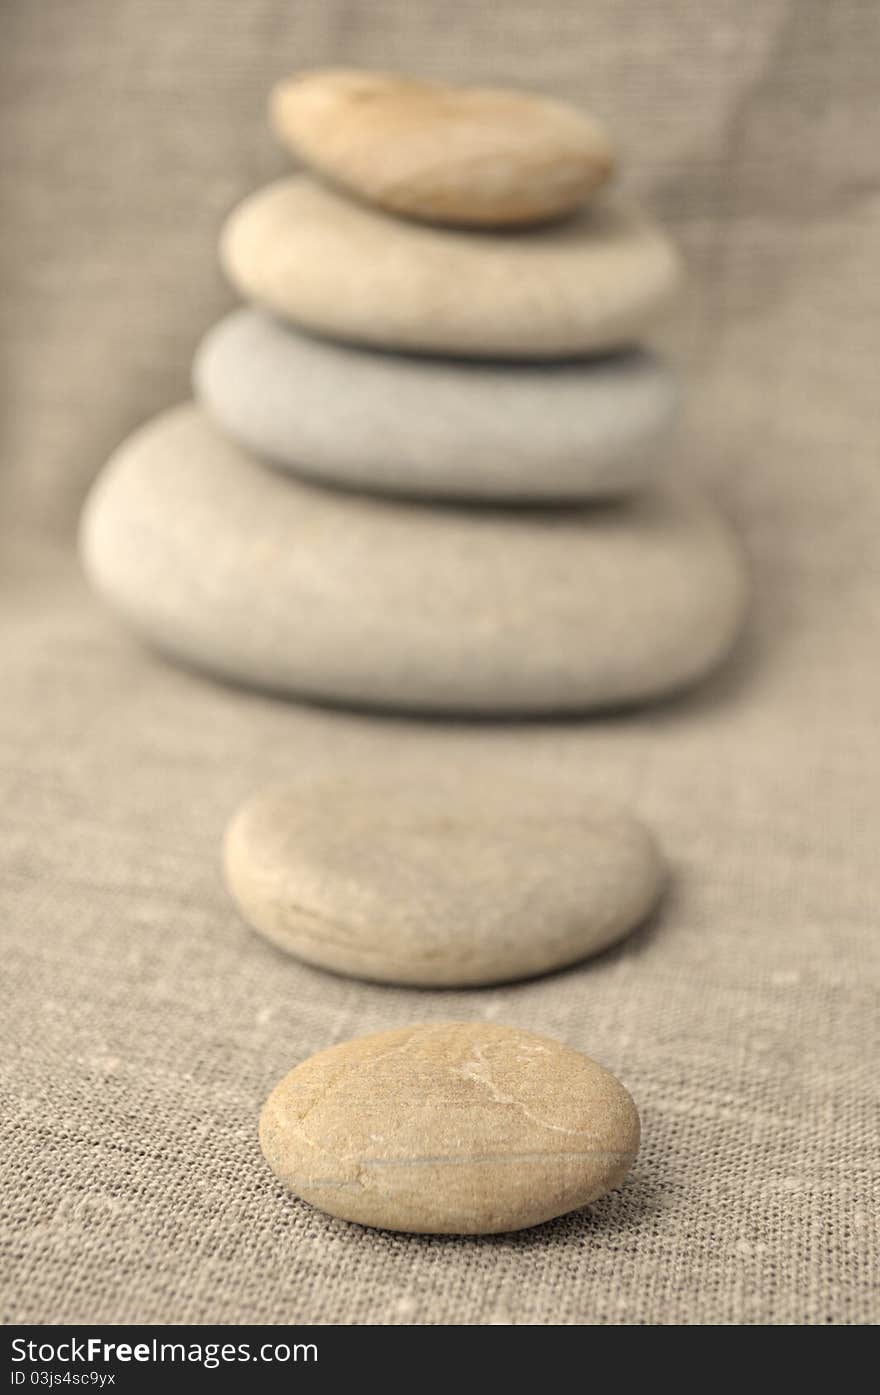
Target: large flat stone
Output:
[{"x": 259, "y": 578}]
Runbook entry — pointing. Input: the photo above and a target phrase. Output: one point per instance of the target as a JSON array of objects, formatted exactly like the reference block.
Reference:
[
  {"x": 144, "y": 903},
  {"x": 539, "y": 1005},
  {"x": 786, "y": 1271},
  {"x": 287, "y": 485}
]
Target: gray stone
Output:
[
  {"x": 593, "y": 283},
  {"x": 463, "y": 1128},
  {"x": 260, "y": 578},
  {"x": 454, "y": 882},
  {"x": 435, "y": 427}
]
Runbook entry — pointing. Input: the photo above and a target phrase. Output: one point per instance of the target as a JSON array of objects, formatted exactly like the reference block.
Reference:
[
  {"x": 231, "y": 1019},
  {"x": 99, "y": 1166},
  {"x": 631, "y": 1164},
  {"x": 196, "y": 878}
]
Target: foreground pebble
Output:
[
  {"x": 446, "y": 154},
  {"x": 433, "y": 427},
  {"x": 235, "y": 568},
  {"x": 452, "y": 882},
  {"x": 457, "y": 1128},
  {"x": 594, "y": 283}
]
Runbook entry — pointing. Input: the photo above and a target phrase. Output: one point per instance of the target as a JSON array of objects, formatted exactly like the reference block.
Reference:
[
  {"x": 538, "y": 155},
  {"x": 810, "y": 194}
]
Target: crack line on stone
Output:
[{"x": 477, "y": 1069}]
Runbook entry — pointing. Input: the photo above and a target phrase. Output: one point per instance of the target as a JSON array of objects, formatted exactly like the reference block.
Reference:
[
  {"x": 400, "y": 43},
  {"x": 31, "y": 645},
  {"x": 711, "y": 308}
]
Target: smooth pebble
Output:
[
  {"x": 258, "y": 577},
  {"x": 435, "y": 427},
  {"x": 445, "y": 154},
  {"x": 453, "y": 882},
  {"x": 465, "y": 1128},
  {"x": 594, "y": 283}
]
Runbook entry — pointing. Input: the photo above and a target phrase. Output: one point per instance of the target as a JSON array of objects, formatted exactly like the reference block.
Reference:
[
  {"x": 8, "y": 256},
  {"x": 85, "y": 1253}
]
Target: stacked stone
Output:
[
  {"x": 443, "y": 312},
  {"x": 424, "y": 474}
]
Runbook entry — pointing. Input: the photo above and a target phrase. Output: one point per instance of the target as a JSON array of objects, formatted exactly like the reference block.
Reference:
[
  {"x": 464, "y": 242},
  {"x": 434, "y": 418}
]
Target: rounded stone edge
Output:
[
  {"x": 287, "y": 925},
  {"x": 144, "y": 628},
  {"x": 636, "y": 469},
  {"x": 452, "y": 343},
  {"x": 597, "y": 172},
  {"x": 267, "y": 1127}
]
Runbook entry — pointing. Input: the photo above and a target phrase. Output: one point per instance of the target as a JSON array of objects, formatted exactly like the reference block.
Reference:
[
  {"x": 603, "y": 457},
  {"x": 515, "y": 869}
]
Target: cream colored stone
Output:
[
  {"x": 478, "y": 155},
  {"x": 233, "y": 567},
  {"x": 456, "y": 1128},
  {"x": 453, "y": 882},
  {"x": 594, "y": 283}
]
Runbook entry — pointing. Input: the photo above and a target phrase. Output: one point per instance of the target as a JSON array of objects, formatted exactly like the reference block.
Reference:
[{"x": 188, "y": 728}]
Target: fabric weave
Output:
[{"x": 143, "y": 1024}]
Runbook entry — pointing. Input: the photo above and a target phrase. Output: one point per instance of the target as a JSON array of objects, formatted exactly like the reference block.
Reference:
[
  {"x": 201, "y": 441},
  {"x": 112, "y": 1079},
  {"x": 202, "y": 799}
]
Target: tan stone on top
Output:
[
  {"x": 444, "y": 154},
  {"x": 453, "y": 1128}
]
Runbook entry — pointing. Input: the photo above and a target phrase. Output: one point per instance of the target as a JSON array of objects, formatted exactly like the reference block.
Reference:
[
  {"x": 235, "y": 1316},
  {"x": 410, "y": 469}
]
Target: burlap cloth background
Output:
[{"x": 143, "y": 1024}]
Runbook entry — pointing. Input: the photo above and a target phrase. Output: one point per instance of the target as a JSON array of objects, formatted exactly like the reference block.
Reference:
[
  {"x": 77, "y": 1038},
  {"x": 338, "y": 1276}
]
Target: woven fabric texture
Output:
[{"x": 143, "y": 1024}]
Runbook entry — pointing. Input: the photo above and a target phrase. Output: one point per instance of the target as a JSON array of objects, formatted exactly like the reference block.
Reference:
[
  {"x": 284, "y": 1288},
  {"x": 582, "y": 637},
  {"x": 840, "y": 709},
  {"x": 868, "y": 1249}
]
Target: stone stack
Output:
[{"x": 424, "y": 473}]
